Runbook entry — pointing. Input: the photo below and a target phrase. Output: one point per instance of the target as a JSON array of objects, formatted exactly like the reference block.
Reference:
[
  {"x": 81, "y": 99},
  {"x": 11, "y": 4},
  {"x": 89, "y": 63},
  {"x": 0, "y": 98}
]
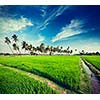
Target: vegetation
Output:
[
  {"x": 95, "y": 60},
  {"x": 63, "y": 70},
  {"x": 12, "y": 82},
  {"x": 42, "y": 49},
  {"x": 7, "y": 41}
]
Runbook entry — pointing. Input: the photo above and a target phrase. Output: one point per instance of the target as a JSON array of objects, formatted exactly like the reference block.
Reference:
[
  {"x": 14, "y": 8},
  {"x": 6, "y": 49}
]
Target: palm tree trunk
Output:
[{"x": 11, "y": 49}]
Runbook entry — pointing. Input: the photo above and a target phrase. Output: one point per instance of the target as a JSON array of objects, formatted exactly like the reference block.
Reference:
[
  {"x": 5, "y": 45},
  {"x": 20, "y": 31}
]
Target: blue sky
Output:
[{"x": 74, "y": 26}]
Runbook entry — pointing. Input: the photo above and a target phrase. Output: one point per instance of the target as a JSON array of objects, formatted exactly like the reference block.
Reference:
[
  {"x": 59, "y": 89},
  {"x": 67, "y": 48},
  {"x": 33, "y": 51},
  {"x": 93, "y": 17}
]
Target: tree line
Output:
[{"x": 41, "y": 49}]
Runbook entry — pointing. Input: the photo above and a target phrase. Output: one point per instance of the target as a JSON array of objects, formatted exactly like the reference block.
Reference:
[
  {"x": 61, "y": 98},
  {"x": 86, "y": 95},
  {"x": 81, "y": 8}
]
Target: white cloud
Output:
[
  {"x": 4, "y": 48},
  {"x": 42, "y": 28},
  {"x": 61, "y": 10},
  {"x": 90, "y": 46},
  {"x": 52, "y": 15},
  {"x": 44, "y": 12},
  {"x": 8, "y": 25},
  {"x": 39, "y": 41},
  {"x": 72, "y": 29},
  {"x": 75, "y": 24},
  {"x": 34, "y": 42}
]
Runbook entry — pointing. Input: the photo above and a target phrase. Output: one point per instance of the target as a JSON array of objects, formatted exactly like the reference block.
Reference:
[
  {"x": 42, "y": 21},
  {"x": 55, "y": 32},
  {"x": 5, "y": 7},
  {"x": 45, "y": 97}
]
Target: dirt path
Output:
[
  {"x": 94, "y": 80},
  {"x": 41, "y": 79}
]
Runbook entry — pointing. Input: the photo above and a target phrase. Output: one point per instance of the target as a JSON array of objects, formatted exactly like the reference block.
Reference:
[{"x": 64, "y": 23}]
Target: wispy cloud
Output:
[
  {"x": 8, "y": 25},
  {"x": 34, "y": 42},
  {"x": 39, "y": 41},
  {"x": 73, "y": 28},
  {"x": 52, "y": 15},
  {"x": 43, "y": 11}
]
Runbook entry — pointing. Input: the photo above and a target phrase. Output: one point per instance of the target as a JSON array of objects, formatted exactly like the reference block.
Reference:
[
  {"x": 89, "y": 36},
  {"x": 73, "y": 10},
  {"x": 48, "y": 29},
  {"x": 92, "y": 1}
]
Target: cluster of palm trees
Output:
[
  {"x": 42, "y": 49},
  {"x": 39, "y": 50},
  {"x": 14, "y": 45}
]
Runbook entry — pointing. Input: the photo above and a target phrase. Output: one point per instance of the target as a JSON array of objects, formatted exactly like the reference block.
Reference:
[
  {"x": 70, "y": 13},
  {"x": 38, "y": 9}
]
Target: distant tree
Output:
[
  {"x": 57, "y": 49},
  {"x": 83, "y": 52},
  {"x": 71, "y": 51},
  {"x": 47, "y": 49},
  {"x": 42, "y": 47},
  {"x": 97, "y": 53},
  {"x": 75, "y": 49},
  {"x": 61, "y": 49},
  {"x": 7, "y": 40},
  {"x": 15, "y": 47},
  {"x": 68, "y": 48},
  {"x": 51, "y": 49},
  {"x": 23, "y": 44},
  {"x": 30, "y": 47},
  {"x": 15, "y": 38}
]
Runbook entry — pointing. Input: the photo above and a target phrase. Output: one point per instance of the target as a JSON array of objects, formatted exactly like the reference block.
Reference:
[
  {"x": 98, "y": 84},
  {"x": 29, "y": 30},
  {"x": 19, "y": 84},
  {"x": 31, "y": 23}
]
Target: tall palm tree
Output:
[
  {"x": 15, "y": 38},
  {"x": 7, "y": 40},
  {"x": 50, "y": 50},
  {"x": 75, "y": 49},
  {"x": 68, "y": 48},
  {"x": 30, "y": 47},
  {"x": 15, "y": 47},
  {"x": 42, "y": 47},
  {"x": 71, "y": 51},
  {"x": 61, "y": 49},
  {"x": 83, "y": 52},
  {"x": 47, "y": 49},
  {"x": 57, "y": 49},
  {"x": 23, "y": 44}
]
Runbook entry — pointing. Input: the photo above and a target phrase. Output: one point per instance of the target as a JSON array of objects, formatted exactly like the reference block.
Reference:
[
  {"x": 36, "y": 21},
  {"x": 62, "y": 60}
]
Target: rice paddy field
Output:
[
  {"x": 65, "y": 71},
  {"x": 12, "y": 82},
  {"x": 95, "y": 60}
]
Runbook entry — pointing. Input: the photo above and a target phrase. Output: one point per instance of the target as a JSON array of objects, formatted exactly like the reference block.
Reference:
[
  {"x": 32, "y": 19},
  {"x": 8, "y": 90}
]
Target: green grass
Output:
[
  {"x": 95, "y": 60},
  {"x": 12, "y": 82},
  {"x": 63, "y": 70}
]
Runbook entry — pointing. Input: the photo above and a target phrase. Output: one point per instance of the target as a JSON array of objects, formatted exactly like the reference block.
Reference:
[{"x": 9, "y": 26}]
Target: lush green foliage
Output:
[
  {"x": 95, "y": 60},
  {"x": 64, "y": 70},
  {"x": 16, "y": 82}
]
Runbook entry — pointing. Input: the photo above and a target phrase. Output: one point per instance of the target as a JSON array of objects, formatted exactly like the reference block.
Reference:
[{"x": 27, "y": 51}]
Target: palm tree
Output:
[
  {"x": 23, "y": 44},
  {"x": 75, "y": 49},
  {"x": 15, "y": 47},
  {"x": 7, "y": 40},
  {"x": 68, "y": 48},
  {"x": 83, "y": 52},
  {"x": 42, "y": 47},
  {"x": 61, "y": 49},
  {"x": 30, "y": 47},
  {"x": 14, "y": 37},
  {"x": 71, "y": 51}
]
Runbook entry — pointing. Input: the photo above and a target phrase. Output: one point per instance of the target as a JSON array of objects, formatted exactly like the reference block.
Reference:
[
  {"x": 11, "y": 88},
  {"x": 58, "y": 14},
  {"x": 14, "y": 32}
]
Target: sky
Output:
[{"x": 56, "y": 25}]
